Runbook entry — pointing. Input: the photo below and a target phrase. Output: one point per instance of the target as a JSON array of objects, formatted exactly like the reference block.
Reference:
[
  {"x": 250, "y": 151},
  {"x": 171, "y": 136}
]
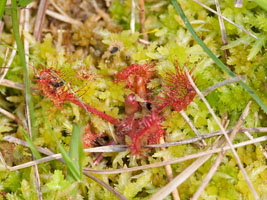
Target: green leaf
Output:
[
  {"x": 76, "y": 151},
  {"x": 212, "y": 56},
  {"x": 35, "y": 152},
  {"x": 71, "y": 166},
  {"x": 24, "y": 3},
  {"x": 262, "y": 3},
  {"x": 58, "y": 182},
  {"x": 21, "y": 52},
  {"x": 12, "y": 183},
  {"x": 2, "y": 8}
]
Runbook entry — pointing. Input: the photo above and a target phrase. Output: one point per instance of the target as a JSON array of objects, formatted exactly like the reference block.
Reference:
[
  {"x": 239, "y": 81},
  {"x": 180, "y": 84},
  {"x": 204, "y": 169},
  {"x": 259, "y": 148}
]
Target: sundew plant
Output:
[{"x": 133, "y": 99}]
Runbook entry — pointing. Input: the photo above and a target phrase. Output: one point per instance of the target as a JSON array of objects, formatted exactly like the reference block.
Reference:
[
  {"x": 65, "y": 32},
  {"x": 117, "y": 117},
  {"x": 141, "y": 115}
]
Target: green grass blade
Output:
[
  {"x": 213, "y": 57},
  {"x": 24, "y": 3},
  {"x": 2, "y": 8},
  {"x": 71, "y": 166},
  {"x": 76, "y": 150},
  {"x": 28, "y": 97},
  {"x": 35, "y": 152},
  {"x": 262, "y": 3}
]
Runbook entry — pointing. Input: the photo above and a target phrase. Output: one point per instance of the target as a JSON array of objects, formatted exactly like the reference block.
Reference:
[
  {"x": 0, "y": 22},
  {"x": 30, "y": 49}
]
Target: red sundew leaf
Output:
[
  {"x": 53, "y": 87},
  {"x": 178, "y": 92},
  {"x": 130, "y": 73}
]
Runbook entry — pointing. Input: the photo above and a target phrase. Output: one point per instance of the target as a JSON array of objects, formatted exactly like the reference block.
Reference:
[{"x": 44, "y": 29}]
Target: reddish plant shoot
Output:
[
  {"x": 146, "y": 130},
  {"x": 137, "y": 76},
  {"x": 131, "y": 105},
  {"x": 54, "y": 88},
  {"x": 178, "y": 92}
]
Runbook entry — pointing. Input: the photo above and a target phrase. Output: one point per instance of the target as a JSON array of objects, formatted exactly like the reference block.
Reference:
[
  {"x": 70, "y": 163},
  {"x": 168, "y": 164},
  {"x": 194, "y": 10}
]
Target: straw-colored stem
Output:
[{"x": 225, "y": 135}]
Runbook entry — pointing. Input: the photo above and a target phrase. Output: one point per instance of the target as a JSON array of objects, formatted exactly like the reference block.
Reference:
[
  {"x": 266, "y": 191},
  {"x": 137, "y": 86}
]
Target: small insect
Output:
[
  {"x": 57, "y": 84},
  {"x": 114, "y": 50}
]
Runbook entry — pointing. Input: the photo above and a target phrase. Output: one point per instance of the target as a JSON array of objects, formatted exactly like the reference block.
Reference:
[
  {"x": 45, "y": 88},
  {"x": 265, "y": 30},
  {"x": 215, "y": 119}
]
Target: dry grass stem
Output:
[
  {"x": 261, "y": 147},
  {"x": 13, "y": 53},
  {"x": 223, "y": 31},
  {"x": 5, "y": 67},
  {"x": 63, "y": 18},
  {"x": 132, "y": 24},
  {"x": 186, "y": 118},
  {"x": 238, "y": 3},
  {"x": 3, "y": 161},
  {"x": 1, "y": 27},
  {"x": 213, "y": 11},
  {"x": 100, "y": 12},
  {"x": 145, "y": 42},
  {"x": 142, "y": 17},
  {"x": 207, "y": 135},
  {"x": 115, "y": 171},
  {"x": 11, "y": 84},
  {"x": 168, "y": 169},
  {"x": 178, "y": 180},
  {"x": 108, "y": 187},
  {"x": 176, "y": 160},
  {"x": 225, "y": 135},
  {"x": 220, "y": 157},
  {"x": 15, "y": 140},
  {"x": 11, "y": 116},
  {"x": 58, "y": 8},
  {"x": 25, "y": 20},
  {"x": 40, "y": 19},
  {"x": 222, "y": 83}
]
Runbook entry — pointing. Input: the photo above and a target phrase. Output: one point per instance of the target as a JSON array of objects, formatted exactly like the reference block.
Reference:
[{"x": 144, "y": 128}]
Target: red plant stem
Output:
[{"x": 99, "y": 113}]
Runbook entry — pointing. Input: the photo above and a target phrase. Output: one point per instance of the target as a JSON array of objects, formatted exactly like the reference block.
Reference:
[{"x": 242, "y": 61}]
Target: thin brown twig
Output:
[
  {"x": 121, "y": 148},
  {"x": 158, "y": 164},
  {"x": 2, "y": 23},
  {"x": 63, "y": 18},
  {"x": 178, "y": 180},
  {"x": 225, "y": 135},
  {"x": 142, "y": 17},
  {"x": 25, "y": 20},
  {"x": 213, "y": 11},
  {"x": 58, "y": 8},
  {"x": 108, "y": 187},
  {"x": 3, "y": 161},
  {"x": 3, "y": 68},
  {"x": 100, "y": 12},
  {"x": 205, "y": 136},
  {"x": 40, "y": 19},
  {"x": 186, "y": 118},
  {"x": 238, "y": 3},
  {"x": 168, "y": 169},
  {"x": 132, "y": 24},
  {"x": 261, "y": 147},
  {"x": 199, "y": 155},
  {"x": 222, "y": 83},
  {"x": 11, "y": 116},
  {"x": 11, "y": 84},
  {"x": 223, "y": 31},
  {"x": 220, "y": 157}
]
